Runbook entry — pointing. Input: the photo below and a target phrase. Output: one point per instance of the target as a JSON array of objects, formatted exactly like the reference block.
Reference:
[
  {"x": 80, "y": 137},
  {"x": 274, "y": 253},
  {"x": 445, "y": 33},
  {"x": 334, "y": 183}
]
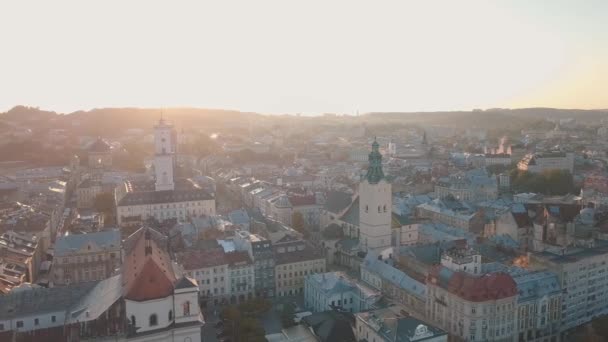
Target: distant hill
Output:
[
  {"x": 494, "y": 117},
  {"x": 114, "y": 121}
]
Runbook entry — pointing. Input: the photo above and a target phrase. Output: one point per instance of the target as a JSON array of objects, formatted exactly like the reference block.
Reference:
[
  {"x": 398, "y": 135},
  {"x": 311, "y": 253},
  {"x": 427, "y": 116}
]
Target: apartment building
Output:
[
  {"x": 295, "y": 260},
  {"x": 86, "y": 257}
]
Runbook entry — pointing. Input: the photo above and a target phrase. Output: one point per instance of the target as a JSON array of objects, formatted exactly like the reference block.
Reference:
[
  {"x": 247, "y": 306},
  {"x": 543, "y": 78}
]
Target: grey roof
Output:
[
  {"x": 348, "y": 244},
  {"x": 331, "y": 326},
  {"x": 308, "y": 253},
  {"x": 352, "y": 214},
  {"x": 393, "y": 275},
  {"x": 410, "y": 329},
  {"x": 107, "y": 239},
  {"x": 534, "y": 285},
  {"x": 337, "y": 201},
  {"x": 97, "y": 301},
  {"x": 165, "y": 196},
  {"x": 87, "y": 183},
  {"x": 74, "y": 300},
  {"x": 238, "y": 216},
  {"x": 185, "y": 283}
]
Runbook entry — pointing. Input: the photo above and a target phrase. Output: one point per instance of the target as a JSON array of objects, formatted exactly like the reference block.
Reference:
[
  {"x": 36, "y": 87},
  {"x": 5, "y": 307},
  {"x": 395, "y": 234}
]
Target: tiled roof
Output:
[
  {"x": 238, "y": 258},
  {"x": 491, "y": 286},
  {"x": 197, "y": 259},
  {"x": 308, "y": 253},
  {"x": 147, "y": 271},
  {"x": 302, "y": 200}
]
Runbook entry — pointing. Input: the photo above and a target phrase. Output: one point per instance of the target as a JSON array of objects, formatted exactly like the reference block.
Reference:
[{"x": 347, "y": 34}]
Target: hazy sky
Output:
[{"x": 304, "y": 56}]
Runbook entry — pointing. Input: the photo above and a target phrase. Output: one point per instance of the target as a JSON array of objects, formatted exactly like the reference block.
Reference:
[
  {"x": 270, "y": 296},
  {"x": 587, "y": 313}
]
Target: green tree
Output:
[
  {"x": 287, "y": 316},
  {"x": 241, "y": 325},
  {"x": 298, "y": 223},
  {"x": 104, "y": 203}
]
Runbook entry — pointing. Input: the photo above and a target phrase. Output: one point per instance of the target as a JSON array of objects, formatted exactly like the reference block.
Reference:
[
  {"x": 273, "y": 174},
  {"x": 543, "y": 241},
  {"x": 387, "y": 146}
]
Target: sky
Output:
[{"x": 309, "y": 57}]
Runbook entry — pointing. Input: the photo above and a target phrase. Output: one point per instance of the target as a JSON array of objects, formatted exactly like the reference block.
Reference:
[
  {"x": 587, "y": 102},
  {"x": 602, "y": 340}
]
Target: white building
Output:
[{"x": 375, "y": 205}]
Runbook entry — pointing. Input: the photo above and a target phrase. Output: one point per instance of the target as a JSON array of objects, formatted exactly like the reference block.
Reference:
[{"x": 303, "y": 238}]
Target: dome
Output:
[{"x": 100, "y": 146}]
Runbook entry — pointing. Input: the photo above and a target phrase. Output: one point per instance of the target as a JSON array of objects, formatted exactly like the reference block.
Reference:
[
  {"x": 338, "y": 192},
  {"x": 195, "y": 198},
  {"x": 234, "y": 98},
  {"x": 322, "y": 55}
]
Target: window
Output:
[
  {"x": 36, "y": 321},
  {"x": 186, "y": 307},
  {"x": 53, "y": 319},
  {"x": 19, "y": 324},
  {"x": 132, "y": 320},
  {"x": 153, "y": 320},
  {"x": 170, "y": 315}
]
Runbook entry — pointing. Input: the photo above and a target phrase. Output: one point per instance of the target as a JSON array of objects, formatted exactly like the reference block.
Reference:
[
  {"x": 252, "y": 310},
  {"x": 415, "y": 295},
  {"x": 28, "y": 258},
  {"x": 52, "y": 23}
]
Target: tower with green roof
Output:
[{"x": 375, "y": 203}]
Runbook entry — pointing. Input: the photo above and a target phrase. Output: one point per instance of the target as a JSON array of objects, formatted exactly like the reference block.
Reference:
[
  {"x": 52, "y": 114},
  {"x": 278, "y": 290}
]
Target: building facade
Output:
[
  {"x": 86, "y": 257},
  {"x": 472, "y": 308},
  {"x": 540, "y": 162},
  {"x": 294, "y": 262},
  {"x": 261, "y": 252}
]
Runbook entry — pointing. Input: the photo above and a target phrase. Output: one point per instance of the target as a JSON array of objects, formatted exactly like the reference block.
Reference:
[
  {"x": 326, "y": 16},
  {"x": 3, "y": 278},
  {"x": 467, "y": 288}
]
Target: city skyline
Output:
[{"x": 313, "y": 58}]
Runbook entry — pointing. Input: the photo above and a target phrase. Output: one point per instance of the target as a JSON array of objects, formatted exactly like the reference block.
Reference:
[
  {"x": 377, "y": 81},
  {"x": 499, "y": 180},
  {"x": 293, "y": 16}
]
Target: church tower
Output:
[
  {"x": 375, "y": 205},
  {"x": 164, "y": 154}
]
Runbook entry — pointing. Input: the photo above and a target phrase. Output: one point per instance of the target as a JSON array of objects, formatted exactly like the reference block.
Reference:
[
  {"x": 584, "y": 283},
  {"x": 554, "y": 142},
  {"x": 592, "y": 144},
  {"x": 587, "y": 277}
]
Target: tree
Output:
[
  {"x": 287, "y": 316},
  {"x": 550, "y": 182},
  {"x": 298, "y": 223},
  {"x": 243, "y": 326},
  {"x": 104, "y": 203}
]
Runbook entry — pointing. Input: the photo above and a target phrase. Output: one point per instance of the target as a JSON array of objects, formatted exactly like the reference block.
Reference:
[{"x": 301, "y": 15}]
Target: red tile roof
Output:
[
  {"x": 238, "y": 258},
  {"x": 483, "y": 288},
  {"x": 196, "y": 259},
  {"x": 147, "y": 271},
  {"x": 302, "y": 200}
]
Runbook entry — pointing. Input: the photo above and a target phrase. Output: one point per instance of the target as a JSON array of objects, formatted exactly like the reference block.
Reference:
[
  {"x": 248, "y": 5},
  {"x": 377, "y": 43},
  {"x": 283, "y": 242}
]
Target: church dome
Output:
[{"x": 100, "y": 146}]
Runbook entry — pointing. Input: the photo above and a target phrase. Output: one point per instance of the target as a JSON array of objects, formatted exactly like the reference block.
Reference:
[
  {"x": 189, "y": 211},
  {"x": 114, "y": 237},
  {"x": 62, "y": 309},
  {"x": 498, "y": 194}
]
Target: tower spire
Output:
[{"x": 374, "y": 172}]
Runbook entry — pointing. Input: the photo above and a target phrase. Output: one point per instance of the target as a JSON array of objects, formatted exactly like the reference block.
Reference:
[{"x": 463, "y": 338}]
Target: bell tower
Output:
[
  {"x": 163, "y": 156},
  {"x": 375, "y": 205}
]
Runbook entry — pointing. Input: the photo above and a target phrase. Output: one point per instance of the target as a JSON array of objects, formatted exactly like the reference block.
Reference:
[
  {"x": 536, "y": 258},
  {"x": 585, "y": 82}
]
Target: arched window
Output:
[
  {"x": 170, "y": 315},
  {"x": 153, "y": 320},
  {"x": 384, "y": 208},
  {"x": 133, "y": 320},
  {"x": 186, "y": 307},
  {"x": 378, "y": 209},
  {"x": 366, "y": 208}
]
